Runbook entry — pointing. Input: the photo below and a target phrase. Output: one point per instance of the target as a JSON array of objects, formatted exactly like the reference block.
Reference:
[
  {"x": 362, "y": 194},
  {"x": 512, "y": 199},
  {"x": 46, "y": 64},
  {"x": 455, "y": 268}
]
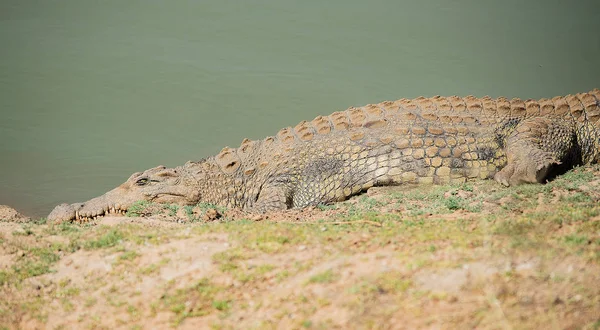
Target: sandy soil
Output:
[{"x": 470, "y": 256}]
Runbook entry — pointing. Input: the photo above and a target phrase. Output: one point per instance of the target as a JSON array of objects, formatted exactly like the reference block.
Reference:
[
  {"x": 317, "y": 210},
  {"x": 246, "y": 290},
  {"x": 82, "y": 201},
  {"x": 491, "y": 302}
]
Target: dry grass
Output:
[{"x": 476, "y": 255}]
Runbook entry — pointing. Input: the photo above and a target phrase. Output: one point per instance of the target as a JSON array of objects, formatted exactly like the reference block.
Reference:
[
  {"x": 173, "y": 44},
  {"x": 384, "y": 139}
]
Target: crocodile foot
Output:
[{"x": 524, "y": 172}]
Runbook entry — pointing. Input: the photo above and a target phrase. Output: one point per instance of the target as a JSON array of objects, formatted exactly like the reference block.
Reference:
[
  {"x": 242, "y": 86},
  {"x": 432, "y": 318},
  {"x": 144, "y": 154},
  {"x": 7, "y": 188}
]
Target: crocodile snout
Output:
[{"x": 84, "y": 212}]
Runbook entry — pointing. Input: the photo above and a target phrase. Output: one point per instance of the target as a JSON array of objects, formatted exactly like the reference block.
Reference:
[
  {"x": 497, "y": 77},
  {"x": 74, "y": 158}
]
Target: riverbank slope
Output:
[{"x": 475, "y": 255}]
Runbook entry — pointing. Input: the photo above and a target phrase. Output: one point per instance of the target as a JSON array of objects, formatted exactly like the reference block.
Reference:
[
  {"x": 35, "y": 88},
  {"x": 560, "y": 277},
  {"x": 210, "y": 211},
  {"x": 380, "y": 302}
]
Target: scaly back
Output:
[{"x": 463, "y": 111}]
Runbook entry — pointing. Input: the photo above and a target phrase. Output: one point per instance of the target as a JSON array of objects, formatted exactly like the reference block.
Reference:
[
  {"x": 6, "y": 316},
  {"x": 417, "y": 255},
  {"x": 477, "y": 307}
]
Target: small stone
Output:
[
  {"x": 526, "y": 300},
  {"x": 258, "y": 217},
  {"x": 182, "y": 214},
  {"x": 211, "y": 215},
  {"x": 197, "y": 210},
  {"x": 557, "y": 301}
]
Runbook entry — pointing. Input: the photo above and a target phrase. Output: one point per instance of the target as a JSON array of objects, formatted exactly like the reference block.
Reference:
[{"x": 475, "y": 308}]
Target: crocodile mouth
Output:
[
  {"x": 113, "y": 211},
  {"x": 82, "y": 215}
]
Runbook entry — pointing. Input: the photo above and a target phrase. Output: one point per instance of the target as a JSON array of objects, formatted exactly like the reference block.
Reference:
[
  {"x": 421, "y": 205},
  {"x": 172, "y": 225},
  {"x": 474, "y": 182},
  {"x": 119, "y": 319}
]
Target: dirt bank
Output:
[
  {"x": 470, "y": 256},
  {"x": 7, "y": 213}
]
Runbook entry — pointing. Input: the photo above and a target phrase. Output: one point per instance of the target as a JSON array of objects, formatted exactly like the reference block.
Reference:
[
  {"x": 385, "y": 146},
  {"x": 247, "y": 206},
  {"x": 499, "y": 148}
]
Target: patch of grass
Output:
[
  {"x": 189, "y": 212},
  {"x": 153, "y": 268},
  {"x": 251, "y": 274},
  {"x": 573, "y": 179},
  {"x": 194, "y": 301},
  {"x": 171, "y": 209},
  {"x": 90, "y": 301},
  {"x": 576, "y": 239},
  {"x": 467, "y": 187},
  {"x": 30, "y": 269},
  {"x": 228, "y": 267},
  {"x": 577, "y": 198},
  {"x": 263, "y": 269},
  {"x": 111, "y": 238},
  {"x": 369, "y": 203},
  {"x": 263, "y": 236},
  {"x": 129, "y": 255},
  {"x": 221, "y": 305},
  {"x": 325, "y": 207},
  {"x": 306, "y": 324},
  {"x": 63, "y": 228},
  {"x": 594, "y": 325},
  {"x": 39, "y": 221},
  {"x": 392, "y": 282},
  {"x": 454, "y": 203},
  {"x": 280, "y": 276},
  {"x": 528, "y": 193},
  {"x": 67, "y": 305},
  {"x": 207, "y": 206},
  {"x": 327, "y": 276},
  {"x": 564, "y": 214},
  {"x": 474, "y": 207},
  {"x": 11, "y": 311},
  {"x": 140, "y": 208},
  {"x": 231, "y": 255},
  {"x": 133, "y": 311},
  {"x": 513, "y": 227},
  {"x": 420, "y": 202},
  {"x": 148, "y": 238},
  {"x": 111, "y": 300},
  {"x": 4, "y": 276},
  {"x": 27, "y": 231},
  {"x": 202, "y": 208},
  {"x": 229, "y": 261},
  {"x": 33, "y": 262},
  {"x": 46, "y": 255}
]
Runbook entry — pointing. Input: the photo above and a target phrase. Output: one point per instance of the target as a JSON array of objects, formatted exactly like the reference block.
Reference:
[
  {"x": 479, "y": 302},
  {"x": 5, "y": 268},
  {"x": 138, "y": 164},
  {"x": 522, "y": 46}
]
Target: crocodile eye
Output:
[{"x": 142, "y": 181}]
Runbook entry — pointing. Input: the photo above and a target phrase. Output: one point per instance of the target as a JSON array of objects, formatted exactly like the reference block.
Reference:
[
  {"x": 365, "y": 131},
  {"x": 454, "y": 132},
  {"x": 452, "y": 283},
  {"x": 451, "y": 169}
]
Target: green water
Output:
[{"x": 92, "y": 91}]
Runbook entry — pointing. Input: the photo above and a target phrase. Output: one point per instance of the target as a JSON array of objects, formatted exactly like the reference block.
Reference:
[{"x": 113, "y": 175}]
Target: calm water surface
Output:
[{"x": 92, "y": 91}]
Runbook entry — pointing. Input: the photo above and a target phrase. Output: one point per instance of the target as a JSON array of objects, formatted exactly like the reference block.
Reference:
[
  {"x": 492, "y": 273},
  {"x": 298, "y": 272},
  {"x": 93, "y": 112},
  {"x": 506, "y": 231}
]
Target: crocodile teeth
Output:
[{"x": 83, "y": 216}]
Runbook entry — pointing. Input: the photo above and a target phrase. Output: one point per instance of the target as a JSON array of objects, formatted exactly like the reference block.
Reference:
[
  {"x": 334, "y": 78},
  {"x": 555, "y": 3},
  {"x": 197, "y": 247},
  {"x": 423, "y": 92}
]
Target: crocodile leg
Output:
[
  {"x": 273, "y": 197},
  {"x": 536, "y": 149}
]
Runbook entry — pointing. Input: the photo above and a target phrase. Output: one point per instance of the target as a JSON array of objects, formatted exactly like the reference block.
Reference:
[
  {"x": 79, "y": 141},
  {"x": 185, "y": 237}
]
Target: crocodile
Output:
[{"x": 426, "y": 140}]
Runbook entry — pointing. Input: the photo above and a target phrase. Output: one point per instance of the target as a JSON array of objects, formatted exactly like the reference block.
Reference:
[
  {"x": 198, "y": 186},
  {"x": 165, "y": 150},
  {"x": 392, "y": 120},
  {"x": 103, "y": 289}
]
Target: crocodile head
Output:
[{"x": 159, "y": 184}]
